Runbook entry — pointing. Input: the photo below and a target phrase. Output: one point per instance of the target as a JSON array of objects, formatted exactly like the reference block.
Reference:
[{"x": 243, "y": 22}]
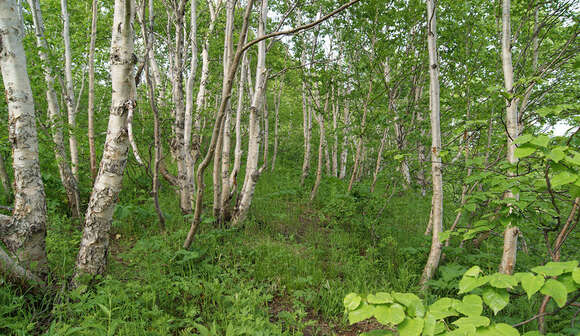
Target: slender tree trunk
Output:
[
  {"x": 266, "y": 132},
  {"x": 379, "y": 159},
  {"x": 69, "y": 90},
  {"x": 252, "y": 171},
  {"x": 307, "y": 130},
  {"x": 217, "y": 126},
  {"x": 238, "y": 127},
  {"x": 91, "y": 107},
  {"x": 437, "y": 200},
  {"x": 320, "y": 119},
  {"x": 508, "y": 260},
  {"x": 277, "y": 99},
  {"x": 224, "y": 200},
  {"x": 68, "y": 180},
  {"x": 345, "y": 135},
  {"x": 92, "y": 256},
  {"x": 357, "y": 157},
  {"x": 24, "y": 233}
]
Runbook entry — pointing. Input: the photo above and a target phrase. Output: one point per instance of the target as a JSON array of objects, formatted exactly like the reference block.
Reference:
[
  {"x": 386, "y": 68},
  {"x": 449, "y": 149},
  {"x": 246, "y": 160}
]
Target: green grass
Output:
[{"x": 283, "y": 272}]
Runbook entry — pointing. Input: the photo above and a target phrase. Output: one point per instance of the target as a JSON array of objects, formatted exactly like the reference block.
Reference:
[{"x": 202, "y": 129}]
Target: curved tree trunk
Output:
[
  {"x": 24, "y": 234},
  {"x": 437, "y": 200},
  {"x": 92, "y": 256}
]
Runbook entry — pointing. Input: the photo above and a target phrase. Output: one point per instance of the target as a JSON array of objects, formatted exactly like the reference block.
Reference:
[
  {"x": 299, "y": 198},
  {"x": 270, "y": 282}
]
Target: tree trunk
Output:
[
  {"x": 379, "y": 159},
  {"x": 277, "y": 99},
  {"x": 320, "y": 119},
  {"x": 508, "y": 259},
  {"x": 252, "y": 172},
  {"x": 238, "y": 127},
  {"x": 437, "y": 200},
  {"x": 66, "y": 175},
  {"x": 216, "y": 129},
  {"x": 69, "y": 90},
  {"x": 92, "y": 256},
  {"x": 345, "y": 135},
  {"x": 91, "y": 107},
  {"x": 24, "y": 234},
  {"x": 307, "y": 130}
]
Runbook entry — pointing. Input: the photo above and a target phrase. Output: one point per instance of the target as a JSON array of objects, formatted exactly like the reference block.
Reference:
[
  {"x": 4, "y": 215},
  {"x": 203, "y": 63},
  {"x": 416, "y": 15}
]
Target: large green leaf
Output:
[
  {"x": 471, "y": 305},
  {"x": 443, "y": 308},
  {"x": 499, "y": 280},
  {"x": 503, "y": 329},
  {"x": 475, "y": 321},
  {"x": 467, "y": 284},
  {"x": 524, "y": 151},
  {"x": 556, "y": 154},
  {"x": 576, "y": 275},
  {"x": 363, "y": 312},
  {"x": 351, "y": 301},
  {"x": 524, "y": 138},
  {"x": 380, "y": 298},
  {"x": 541, "y": 140},
  {"x": 555, "y": 268},
  {"x": 393, "y": 314},
  {"x": 563, "y": 178},
  {"x": 556, "y": 290},
  {"x": 414, "y": 305},
  {"x": 530, "y": 283},
  {"x": 496, "y": 298},
  {"x": 411, "y": 327}
]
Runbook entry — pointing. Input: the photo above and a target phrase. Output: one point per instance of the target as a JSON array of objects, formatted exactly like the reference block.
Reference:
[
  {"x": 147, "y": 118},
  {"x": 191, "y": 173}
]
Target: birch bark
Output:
[
  {"x": 92, "y": 256},
  {"x": 66, "y": 175},
  {"x": 437, "y": 177},
  {"x": 69, "y": 90},
  {"x": 508, "y": 259},
  {"x": 91, "y": 102},
  {"x": 24, "y": 233}
]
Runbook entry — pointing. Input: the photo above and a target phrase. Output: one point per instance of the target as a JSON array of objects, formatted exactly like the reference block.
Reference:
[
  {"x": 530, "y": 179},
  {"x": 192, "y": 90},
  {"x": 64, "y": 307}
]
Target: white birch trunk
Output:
[
  {"x": 24, "y": 234},
  {"x": 437, "y": 200},
  {"x": 240, "y": 106},
  {"x": 252, "y": 171},
  {"x": 277, "y": 99},
  {"x": 345, "y": 136},
  {"x": 91, "y": 102},
  {"x": 68, "y": 180},
  {"x": 69, "y": 90},
  {"x": 92, "y": 256},
  {"x": 508, "y": 259}
]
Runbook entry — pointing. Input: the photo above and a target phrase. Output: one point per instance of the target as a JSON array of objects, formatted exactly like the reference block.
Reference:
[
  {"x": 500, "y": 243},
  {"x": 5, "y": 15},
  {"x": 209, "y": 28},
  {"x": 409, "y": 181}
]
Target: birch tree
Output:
[
  {"x": 69, "y": 181},
  {"x": 92, "y": 256},
  {"x": 437, "y": 199},
  {"x": 24, "y": 233}
]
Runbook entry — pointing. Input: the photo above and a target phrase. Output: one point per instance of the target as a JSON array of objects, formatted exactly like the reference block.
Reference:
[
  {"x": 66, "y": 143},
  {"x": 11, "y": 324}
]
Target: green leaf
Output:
[
  {"x": 380, "y": 298},
  {"x": 496, "y": 299},
  {"x": 411, "y": 327},
  {"x": 556, "y": 154},
  {"x": 443, "y": 308},
  {"x": 394, "y": 314},
  {"x": 503, "y": 329},
  {"x": 414, "y": 305},
  {"x": 499, "y": 280},
  {"x": 533, "y": 333},
  {"x": 563, "y": 178},
  {"x": 351, "y": 301},
  {"x": 530, "y": 283},
  {"x": 363, "y": 312},
  {"x": 467, "y": 284},
  {"x": 568, "y": 282},
  {"x": 524, "y": 151},
  {"x": 471, "y": 305},
  {"x": 522, "y": 139},
  {"x": 429, "y": 325},
  {"x": 475, "y": 321},
  {"x": 550, "y": 269},
  {"x": 576, "y": 275},
  {"x": 556, "y": 290},
  {"x": 541, "y": 140}
]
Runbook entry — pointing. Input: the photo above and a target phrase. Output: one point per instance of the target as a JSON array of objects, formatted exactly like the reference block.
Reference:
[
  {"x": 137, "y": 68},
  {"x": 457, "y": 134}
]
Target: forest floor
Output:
[{"x": 285, "y": 271}]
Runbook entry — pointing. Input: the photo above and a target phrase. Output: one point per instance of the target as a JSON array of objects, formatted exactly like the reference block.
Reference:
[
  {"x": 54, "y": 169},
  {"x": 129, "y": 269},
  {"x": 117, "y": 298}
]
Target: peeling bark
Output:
[
  {"x": 24, "y": 235},
  {"x": 92, "y": 256}
]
